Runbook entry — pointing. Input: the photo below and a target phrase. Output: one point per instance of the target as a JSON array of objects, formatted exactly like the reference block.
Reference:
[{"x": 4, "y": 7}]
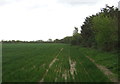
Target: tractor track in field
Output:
[
  {"x": 50, "y": 65},
  {"x": 85, "y": 70},
  {"x": 72, "y": 68},
  {"x": 106, "y": 71}
]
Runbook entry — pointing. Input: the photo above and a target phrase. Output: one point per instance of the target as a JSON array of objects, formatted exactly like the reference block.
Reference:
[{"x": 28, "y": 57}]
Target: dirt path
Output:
[
  {"x": 51, "y": 63},
  {"x": 106, "y": 71},
  {"x": 72, "y": 68}
]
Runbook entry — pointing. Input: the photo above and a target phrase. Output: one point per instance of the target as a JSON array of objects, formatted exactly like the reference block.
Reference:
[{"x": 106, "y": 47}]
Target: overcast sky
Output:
[{"x": 44, "y": 19}]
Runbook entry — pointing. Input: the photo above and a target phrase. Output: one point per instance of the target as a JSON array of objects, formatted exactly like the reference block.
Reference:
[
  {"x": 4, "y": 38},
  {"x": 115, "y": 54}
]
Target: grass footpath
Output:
[
  {"x": 46, "y": 62},
  {"x": 106, "y": 59}
]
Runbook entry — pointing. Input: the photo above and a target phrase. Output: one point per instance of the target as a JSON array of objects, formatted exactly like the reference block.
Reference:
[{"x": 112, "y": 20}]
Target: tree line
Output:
[
  {"x": 98, "y": 31},
  {"x": 101, "y": 30},
  {"x": 19, "y": 41}
]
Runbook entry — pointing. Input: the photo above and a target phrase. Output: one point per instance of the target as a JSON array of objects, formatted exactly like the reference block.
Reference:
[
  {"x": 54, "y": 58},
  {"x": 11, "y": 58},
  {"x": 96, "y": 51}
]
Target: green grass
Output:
[
  {"x": 107, "y": 59},
  {"x": 28, "y": 62},
  {"x": 0, "y": 62}
]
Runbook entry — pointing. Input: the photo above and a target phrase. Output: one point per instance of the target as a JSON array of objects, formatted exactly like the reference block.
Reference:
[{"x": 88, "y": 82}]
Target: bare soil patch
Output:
[
  {"x": 72, "y": 68},
  {"x": 106, "y": 71},
  {"x": 51, "y": 63}
]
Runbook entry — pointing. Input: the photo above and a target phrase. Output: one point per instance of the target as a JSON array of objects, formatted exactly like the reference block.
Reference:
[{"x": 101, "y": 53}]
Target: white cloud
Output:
[
  {"x": 42, "y": 19},
  {"x": 78, "y": 2},
  {"x": 119, "y": 5}
]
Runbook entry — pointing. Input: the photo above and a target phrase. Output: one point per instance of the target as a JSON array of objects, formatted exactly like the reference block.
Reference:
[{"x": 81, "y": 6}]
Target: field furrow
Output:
[{"x": 48, "y": 63}]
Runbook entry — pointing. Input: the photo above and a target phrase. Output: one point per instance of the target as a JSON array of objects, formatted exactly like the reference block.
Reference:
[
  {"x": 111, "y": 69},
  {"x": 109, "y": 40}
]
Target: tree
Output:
[
  {"x": 49, "y": 40},
  {"x": 75, "y": 31},
  {"x": 76, "y": 39},
  {"x": 39, "y": 41},
  {"x": 87, "y": 33},
  {"x": 67, "y": 39},
  {"x": 101, "y": 30},
  {"x": 57, "y": 41},
  {"x": 105, "y": 30}
]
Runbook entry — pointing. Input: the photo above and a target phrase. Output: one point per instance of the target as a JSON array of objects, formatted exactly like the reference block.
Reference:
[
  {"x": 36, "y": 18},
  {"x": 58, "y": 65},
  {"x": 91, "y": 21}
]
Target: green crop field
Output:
[{"x": 50, "y": 62}]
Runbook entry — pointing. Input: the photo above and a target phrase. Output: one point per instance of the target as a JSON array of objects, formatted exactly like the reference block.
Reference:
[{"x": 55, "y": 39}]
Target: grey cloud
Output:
[
  {"x": 77, "y": 2},
  {"x": 35, "y": 6},
  {"x": 4, "y": 2},
  {"x": 119, "y": 5}
]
